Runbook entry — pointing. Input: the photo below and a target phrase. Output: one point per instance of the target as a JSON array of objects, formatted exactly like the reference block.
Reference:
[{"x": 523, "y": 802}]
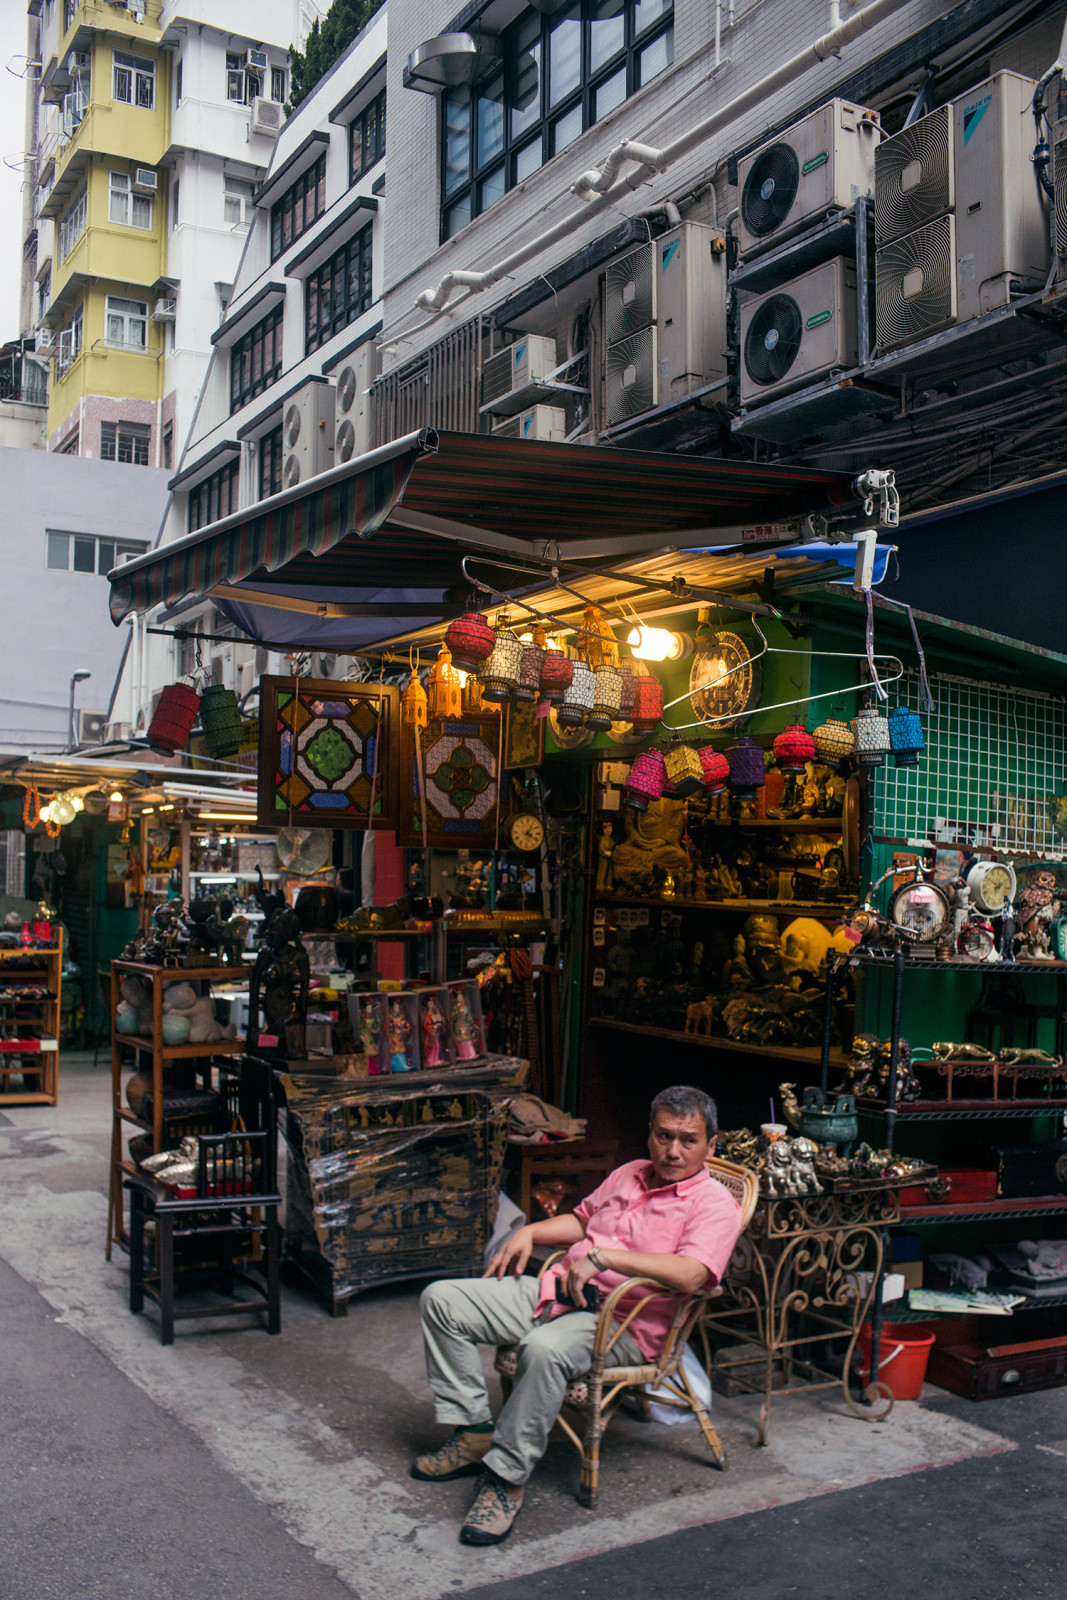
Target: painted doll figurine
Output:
[
  {"x": 433, "y": 1033},
  {"x": 370, "y": 1033},
  {"x": 463, "y": 1030},
  {"x": 398, "y": 1028}
]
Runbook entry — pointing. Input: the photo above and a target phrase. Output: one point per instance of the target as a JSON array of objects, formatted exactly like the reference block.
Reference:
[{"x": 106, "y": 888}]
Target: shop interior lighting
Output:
[
  {"x": 115, "y": 796},
  {"x": 226, "y": 816},
  {"x": 657, "y": 644}
]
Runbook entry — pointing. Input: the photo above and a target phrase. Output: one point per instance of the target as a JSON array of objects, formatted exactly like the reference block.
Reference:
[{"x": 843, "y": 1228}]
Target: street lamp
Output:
[{"x": 76, "y": 677}]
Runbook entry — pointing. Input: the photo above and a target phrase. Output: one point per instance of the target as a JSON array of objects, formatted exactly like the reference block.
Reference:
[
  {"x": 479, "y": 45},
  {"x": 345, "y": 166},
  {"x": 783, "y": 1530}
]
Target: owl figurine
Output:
[{"x": 1036, "y": 907}]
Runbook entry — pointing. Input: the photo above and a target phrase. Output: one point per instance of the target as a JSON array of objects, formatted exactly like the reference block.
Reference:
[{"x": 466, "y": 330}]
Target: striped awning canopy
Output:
[{"x": 368, "y": 547}]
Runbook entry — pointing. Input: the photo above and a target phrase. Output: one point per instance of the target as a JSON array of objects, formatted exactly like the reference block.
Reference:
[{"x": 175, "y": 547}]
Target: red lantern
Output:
[
  {"x": 173, "y": 720},
  {"x": 716, "y": 769},
  {"x": 556, "y": 675},
  {"x": 471, "y": 641},
  {"x": 793, "y": 747},
  {"x": 629, "y": 691},
  {"x": 647, "y": 713}
]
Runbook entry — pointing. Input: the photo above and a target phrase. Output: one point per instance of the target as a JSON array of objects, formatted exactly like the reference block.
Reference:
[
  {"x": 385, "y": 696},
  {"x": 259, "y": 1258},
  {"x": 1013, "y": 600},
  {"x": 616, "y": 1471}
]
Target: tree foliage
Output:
[{"x": 325, "y": 43}]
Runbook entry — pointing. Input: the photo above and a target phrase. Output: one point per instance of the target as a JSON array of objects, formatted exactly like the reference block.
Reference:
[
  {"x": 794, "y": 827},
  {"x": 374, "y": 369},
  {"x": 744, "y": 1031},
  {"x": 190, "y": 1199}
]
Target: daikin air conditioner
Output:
[
  {"x": 352, "y": 412},
  {"x": 145, "y": 181},
  {"x": 258, "y": 60},
  {"x": 307, "y": 433},
  {"x": 266, "y": 117},
  {"x": 664, "y": 321},
  {"x": 540, "y": 422},
  {"x": 822, "y": 164},
  {"x": 969, "y": 161},
  {"x": 799, "y": 333},
  {"x": 518, "y": 375}
]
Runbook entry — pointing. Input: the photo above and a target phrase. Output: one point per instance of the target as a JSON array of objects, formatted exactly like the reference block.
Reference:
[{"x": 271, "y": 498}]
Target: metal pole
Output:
[
  {"x": 827, "y": 1020},
  {"x": 890, "y": 1127}
]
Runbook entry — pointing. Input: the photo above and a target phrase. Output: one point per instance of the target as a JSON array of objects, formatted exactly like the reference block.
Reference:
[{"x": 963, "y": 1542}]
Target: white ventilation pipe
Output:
[{"x": 602, "y": 185}]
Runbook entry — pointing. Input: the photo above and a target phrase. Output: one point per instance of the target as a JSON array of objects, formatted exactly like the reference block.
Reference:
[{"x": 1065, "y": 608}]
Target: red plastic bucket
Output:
[{"x": 905, "y": 1350}]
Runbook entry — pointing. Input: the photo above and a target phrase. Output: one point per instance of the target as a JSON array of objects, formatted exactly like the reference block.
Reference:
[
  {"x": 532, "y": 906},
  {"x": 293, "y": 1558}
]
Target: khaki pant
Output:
[{"x": 461, "y": 1313}]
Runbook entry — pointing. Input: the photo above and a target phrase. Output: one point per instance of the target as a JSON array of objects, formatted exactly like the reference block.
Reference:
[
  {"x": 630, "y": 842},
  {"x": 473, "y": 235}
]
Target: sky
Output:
[{"x": 12, "y": 110}]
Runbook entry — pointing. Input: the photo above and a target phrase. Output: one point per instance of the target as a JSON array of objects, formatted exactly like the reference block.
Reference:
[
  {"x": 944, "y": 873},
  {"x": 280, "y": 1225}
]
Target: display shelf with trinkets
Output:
[{"x": 30, "y": 1002}]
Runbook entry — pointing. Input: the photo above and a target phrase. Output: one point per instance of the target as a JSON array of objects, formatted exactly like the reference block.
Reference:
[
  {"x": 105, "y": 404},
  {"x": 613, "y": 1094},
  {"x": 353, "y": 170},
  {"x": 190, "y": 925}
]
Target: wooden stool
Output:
[{"x": 580, "y": 1164}]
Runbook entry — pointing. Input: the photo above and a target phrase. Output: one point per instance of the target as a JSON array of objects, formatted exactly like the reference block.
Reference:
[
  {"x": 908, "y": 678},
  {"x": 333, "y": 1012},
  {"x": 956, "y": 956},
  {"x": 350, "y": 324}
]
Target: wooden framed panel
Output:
[
  {"x": 465, "y": 784},
  {"x": 524, "y": 736},
  {"x": 321, "y": 746}
]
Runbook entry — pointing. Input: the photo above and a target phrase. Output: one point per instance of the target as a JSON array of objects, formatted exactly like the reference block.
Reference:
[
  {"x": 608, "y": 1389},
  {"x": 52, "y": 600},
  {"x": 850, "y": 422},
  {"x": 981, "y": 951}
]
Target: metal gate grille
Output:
[{"x": 993, "y": 766}]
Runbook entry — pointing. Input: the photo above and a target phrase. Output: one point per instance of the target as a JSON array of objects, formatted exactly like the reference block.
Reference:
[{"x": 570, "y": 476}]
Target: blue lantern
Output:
[{"x": 905, "y": 736}]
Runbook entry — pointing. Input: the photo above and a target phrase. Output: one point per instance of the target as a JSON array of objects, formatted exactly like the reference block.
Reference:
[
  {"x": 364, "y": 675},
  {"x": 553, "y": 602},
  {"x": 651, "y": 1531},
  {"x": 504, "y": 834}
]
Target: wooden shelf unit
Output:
[{"x": 40, "y": 1057}]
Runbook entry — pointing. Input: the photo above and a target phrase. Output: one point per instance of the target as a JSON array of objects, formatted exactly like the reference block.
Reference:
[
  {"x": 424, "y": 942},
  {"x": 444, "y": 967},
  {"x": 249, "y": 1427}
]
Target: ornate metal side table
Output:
[{"x": 800, "y": 1258}]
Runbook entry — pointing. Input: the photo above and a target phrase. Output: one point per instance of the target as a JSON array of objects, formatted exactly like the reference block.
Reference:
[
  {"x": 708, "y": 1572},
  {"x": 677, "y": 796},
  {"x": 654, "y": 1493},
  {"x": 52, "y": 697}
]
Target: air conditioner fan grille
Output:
[
  {"x": 770, "y": 189},
  {"x": 773, "y": 339},
  {"x": 913, "y": 176}
]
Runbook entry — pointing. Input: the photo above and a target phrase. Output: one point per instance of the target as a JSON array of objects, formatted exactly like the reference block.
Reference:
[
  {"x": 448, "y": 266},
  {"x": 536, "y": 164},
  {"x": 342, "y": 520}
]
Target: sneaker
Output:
[
  {"x": 494, "y": 1509},
  {"x": 459, "y": 1457}
]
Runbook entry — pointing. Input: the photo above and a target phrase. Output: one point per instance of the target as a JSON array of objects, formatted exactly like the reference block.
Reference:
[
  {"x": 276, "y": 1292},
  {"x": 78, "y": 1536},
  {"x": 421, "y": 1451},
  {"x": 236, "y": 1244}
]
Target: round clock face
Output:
[
  {"x": 724, "y": 681},
  {"x": 976, "y": 941},
  {"x": 526, "y": 831},
  {"x": 568, "y": 736},
  {"x": 991, "y": 883},
  {"x": 921, "y": 909}
]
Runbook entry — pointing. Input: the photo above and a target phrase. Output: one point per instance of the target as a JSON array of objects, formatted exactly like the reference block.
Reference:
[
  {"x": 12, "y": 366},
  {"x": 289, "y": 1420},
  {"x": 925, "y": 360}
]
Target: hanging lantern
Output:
[
  {"x": 834, "y": 740},
  {"x": 607, "y": 695},
  {"x": 413, "y": 704},
  {"x": 172, "y": 721},
  {"x": 471, "y": 641},
  {"x": 715, "y": 768},
  {"x": 647, "y": 713},
  {"x": 577, "y": 699},
  {"x": 556, "y": 674},
  {"x": 872, "y": 737},
  {"x": 220, "y": 718},
  {"x": 905, "y": 736},
  {"x": 747, "y": 768},
  {"x": 628, "y": 694},
  {"x": 472, "y": 697},
  {"x": 793, "y": 747},
  {"x": 500, "y": 673},
  {"x": 646, "y": 780},
  {"x": 530, "y": 664},
  {"x": 596, "y": 642},
  {"x": 444, "y": 691},
  {"x": 683, "y": 769}
]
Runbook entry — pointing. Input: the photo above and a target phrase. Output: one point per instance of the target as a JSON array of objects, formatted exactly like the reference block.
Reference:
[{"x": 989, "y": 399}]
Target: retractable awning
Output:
[{"x": 369, "y": 549}]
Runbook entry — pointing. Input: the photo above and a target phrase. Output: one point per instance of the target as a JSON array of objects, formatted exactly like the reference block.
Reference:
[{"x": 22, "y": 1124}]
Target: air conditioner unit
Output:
[
  {"x": 969, "y": 161},
  {"x": 1059, "y": 211},
  {"x": 92, "y": 727},
  {"x": 45, "y": 339},
  {"x": 258, "y": 60},
  {"x": 164, "y": 310},
  {"x": 266, "y": 117},
  {"x": 540, "y": 422},
  {"x": 518, "y": 375},
  {"x": 352, "y": 412},
  {"x": 799, "y": 333},
  {"x": 664, "y": 321},
  {"x": 307, "y": 434},
  {"x": 823, "y": 163},
  {"x": 916, "y": 283},
  {"x": 145, "y": 181}
]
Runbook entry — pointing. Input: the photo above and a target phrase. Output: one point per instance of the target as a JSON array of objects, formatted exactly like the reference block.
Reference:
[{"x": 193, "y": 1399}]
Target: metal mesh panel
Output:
[
  {"x": 994, "y": 758},
  {"x": 441, "y": 388}
]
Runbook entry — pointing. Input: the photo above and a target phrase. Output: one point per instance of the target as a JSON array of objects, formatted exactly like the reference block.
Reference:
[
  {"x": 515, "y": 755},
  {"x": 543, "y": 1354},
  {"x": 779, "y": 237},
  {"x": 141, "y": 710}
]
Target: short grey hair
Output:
[{"x": 685, "y": 1101}]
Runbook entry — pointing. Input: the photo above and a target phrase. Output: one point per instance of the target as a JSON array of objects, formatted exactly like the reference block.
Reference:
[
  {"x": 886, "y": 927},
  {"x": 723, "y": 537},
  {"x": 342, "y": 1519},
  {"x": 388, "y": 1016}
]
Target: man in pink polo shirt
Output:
[{"x": 666, "y": 1218}]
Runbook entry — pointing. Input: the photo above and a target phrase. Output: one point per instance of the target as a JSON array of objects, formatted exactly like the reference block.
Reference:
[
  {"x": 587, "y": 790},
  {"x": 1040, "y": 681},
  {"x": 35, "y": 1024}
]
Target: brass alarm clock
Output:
[{"x": 921, "y": 911}]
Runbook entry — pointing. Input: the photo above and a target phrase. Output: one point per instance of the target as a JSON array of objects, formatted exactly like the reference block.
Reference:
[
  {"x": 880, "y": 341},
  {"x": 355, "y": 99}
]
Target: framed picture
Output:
[
  {"x": 598, "y": 935},
  {"x": 600, "y": 916},
  {"x": 466, "y": 789},
  {"x": 524, "y": 736},
  {"x": 323, "y": 748}
]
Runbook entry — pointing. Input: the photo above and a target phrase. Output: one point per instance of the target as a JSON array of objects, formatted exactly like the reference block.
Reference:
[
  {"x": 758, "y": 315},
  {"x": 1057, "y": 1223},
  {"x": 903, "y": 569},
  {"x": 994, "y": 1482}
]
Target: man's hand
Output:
[
  {"x": 575, "y": 1279},
  {"x": 514, "y": 1249}
]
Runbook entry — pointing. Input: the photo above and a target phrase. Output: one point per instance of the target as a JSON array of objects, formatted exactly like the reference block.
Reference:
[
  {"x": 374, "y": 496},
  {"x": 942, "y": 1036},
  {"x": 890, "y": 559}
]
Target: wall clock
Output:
[{"x": 724, "y": 680}]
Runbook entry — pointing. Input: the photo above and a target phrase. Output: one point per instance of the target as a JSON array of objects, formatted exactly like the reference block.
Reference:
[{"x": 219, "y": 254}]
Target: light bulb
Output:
[
  {"x": 77, "y": 802},
  {"x": 46, "y": 812},
  {"x": 115, "y": 796},
  {"x": 655, "y": 644}
]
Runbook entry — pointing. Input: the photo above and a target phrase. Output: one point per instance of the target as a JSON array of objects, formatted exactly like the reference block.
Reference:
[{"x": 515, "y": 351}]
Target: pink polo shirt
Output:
[{"x": 698, "y": 1217}]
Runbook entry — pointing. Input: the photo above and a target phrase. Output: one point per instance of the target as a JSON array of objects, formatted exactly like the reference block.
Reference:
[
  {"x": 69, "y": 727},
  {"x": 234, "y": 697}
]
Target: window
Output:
[
  {"x": 178, "y": 84},
  {"x": 175, "y": 194},
  {"x": 70, "y": 344},
  {"x": 298, "y": 208},
  {"x": 560, "y": 75},
  {"x": 123, "y": 206},
  {"x": 84, "y": 552},
  {"x": 44, "y": 293},
  {"x": 277, "y": 84},
  {"x": 366, "y": 138},
  {"x": 70, "y": 444},
  {"x": 338, "y": 291},
  {"x": 133, "y": 80},
  {"x": 125, "y": 441},
  {"x": 168, "y": 444},
  {"x": 126, "y": 322},
  {"x": 236, "y": 81},
  {"x": 237, "y": 207},
  {"x": 214, "y": 498},
  {"x": 270, "y": 463},
  {"x": 72, "y": 224},
  {"x": 256, "y": 360}
]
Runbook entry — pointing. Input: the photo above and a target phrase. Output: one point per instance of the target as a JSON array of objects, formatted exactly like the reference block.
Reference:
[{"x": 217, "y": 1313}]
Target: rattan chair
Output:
[{"x": 596, "y": 1397}]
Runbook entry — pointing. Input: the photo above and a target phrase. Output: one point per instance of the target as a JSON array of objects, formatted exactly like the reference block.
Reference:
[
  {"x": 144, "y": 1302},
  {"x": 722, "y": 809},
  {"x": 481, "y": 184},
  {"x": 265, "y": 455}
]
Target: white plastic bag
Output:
[{"x": 700, "y": 1384}]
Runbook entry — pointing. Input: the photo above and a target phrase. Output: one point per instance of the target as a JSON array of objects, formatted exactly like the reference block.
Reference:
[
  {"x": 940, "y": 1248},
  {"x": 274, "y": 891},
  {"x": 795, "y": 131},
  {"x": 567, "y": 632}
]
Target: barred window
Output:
[
  {"x": 214, "y": 498},
  {"x": 339, "y": 291},
  {"x": 133, "y": 80},
  {"x": 366, "y": 138},
  {"x": 301, "y": 205},
  {"x": 256, "y": 360},
  {"x": 72, "y": 224},
  {"x": 270, "y": 463},
  {"x": 125, "y": 441}
]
